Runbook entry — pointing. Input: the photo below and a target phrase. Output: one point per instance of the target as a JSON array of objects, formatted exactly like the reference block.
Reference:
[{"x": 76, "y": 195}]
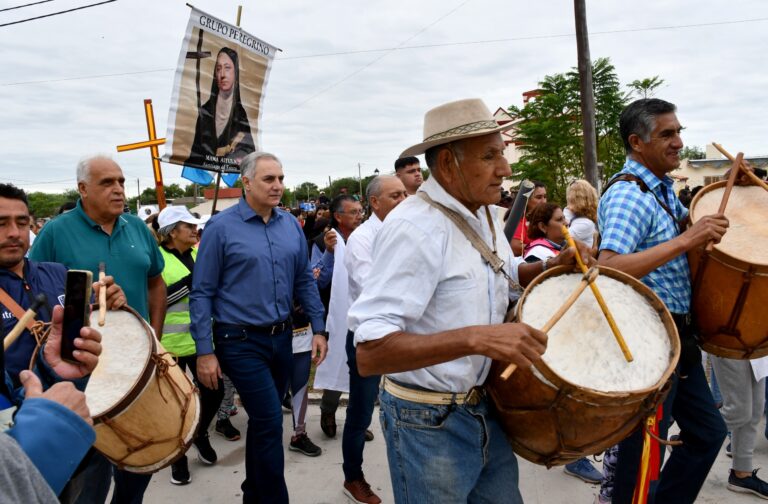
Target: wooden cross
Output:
[{"x": 152, "y": 143}]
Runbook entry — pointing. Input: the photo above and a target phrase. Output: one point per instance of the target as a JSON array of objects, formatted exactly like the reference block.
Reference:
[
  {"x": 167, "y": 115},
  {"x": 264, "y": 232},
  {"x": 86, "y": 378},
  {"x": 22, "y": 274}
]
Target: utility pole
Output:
[
  {"x": 587, "y": 93},
  {"x": 360, "y": 179},
  {"x": 138, "y": 196}
]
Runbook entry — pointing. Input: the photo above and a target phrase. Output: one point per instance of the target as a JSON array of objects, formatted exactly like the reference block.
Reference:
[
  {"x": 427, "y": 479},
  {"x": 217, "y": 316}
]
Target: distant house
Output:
[
  {"x": 701, "y": 172},
  {"x": 228, "y": 196}
]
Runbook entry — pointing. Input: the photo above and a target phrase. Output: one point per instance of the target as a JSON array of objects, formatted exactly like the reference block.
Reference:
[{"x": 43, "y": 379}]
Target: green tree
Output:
[
  {"x": 47, "y": 204},
  {"x": 692, "y": 152},
  {"x": 173, "y": 191},
  {"x": 645, "y": 88},
  {"x": 550, "y": 136},
  {"x": 307, "y": 190}
]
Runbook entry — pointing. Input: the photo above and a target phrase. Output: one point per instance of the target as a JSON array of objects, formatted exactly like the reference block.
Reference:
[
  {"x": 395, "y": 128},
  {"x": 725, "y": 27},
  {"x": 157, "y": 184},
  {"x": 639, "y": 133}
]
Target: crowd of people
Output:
[{"x": 398, "y": 297}]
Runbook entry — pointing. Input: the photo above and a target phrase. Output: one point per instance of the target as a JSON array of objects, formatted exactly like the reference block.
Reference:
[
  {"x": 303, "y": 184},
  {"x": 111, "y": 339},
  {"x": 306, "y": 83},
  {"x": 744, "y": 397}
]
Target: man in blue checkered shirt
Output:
[{"x": 642, "y": 228}]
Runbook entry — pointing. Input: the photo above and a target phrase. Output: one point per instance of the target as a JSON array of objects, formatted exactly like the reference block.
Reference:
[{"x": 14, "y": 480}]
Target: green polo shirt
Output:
[{"x": 130, "y": 252}]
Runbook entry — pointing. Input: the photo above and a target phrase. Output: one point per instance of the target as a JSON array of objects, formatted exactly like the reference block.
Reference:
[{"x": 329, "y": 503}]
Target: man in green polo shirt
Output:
[{"x": 97, "y": 231}]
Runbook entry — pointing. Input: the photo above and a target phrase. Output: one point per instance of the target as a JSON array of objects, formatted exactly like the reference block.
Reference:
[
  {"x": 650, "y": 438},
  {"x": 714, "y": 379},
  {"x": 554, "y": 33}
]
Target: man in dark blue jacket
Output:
[{"x": 48, "y": 420}]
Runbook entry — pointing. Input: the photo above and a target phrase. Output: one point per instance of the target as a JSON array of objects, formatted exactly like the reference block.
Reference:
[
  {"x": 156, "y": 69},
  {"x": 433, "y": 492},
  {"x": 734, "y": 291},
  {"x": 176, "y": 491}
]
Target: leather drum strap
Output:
[{"x": 16, "y": 310}]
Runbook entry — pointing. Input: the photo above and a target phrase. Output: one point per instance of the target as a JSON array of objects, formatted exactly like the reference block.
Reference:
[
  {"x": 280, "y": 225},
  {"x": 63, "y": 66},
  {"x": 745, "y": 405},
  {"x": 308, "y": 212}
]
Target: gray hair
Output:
[
  {"x": 84, "y": 166},
  {"x": 639, "y": 118},
  {"x": 166, "y": 230},
  {"x": 374, "y": 186},
  {"x": 430, "y": 156},
  {"x": 248, "y": 164}
]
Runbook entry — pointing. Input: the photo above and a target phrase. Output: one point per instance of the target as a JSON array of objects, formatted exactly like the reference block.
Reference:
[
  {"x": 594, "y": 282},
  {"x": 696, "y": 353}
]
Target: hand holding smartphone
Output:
[{"x": 77, "y": 298}]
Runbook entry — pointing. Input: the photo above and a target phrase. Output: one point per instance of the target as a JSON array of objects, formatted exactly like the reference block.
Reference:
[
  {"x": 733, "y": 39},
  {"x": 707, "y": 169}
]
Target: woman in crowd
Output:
[
  {"x": 581, "y": 213},
  {"x": 177, "y": 229}
]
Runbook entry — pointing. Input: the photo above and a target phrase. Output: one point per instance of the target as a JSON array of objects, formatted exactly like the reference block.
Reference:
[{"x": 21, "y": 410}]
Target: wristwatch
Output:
[
  {"x": 544, "y": 264},
  {"x": 324, "y": 334}
]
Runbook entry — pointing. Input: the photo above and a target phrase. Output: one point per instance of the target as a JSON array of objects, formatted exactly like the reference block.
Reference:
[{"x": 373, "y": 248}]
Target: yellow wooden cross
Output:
[{"x": 152, "y": 143}]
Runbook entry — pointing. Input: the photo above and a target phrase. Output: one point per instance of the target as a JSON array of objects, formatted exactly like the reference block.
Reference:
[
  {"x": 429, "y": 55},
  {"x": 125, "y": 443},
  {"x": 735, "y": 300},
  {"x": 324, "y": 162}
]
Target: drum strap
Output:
[
  {"x": 628, "y": 177},
  {"x": 490, "y": 256},
  {"x": 13, "y": 306}
]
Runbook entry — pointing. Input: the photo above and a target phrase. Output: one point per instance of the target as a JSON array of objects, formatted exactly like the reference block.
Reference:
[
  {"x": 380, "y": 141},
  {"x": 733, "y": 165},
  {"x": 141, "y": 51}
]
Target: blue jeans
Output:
[
  {"x": 702, "y": 431},
  {"x": 362, "y": 397},
  {"x": 447, "y": 454},
  {"x": 259, "y": 365}
]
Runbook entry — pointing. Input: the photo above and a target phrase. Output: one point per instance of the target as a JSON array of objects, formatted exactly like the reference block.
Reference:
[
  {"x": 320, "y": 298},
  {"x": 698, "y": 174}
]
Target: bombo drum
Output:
[
  {"x": 583, "y": 397},
  {"x": 145, "y": 409},
  {"x": 730, "y": 283}
]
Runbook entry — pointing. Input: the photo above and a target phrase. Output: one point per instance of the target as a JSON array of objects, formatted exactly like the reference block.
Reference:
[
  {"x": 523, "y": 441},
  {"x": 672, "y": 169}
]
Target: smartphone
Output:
[{"x": 77, "y": 299}]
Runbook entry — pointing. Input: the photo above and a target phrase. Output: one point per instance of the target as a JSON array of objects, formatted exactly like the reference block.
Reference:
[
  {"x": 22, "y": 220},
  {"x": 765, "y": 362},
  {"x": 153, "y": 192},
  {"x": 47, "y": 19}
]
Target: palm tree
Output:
[{"x": 646, "y": 87}]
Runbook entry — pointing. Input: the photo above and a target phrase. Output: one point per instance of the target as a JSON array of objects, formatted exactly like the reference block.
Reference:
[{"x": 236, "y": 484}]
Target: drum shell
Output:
[
  {"x": 149, "y": 429},
  {"x": 728, "y": 299},
  {"x": 550, "y": 421}
]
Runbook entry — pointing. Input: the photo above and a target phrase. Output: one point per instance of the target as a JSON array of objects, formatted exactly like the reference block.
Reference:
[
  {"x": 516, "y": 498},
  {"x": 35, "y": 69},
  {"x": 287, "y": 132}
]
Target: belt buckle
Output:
[
  {"x": 474, "y": 396},
  {"x": 275, "y": 329}
]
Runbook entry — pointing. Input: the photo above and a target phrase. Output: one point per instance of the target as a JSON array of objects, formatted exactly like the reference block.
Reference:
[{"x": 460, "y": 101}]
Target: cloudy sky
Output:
[{"x": 74, "y": 84}]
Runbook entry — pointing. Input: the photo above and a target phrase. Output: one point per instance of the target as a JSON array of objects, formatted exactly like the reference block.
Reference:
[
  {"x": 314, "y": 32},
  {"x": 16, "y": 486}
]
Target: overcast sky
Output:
[{"x": 325, "y": 114}]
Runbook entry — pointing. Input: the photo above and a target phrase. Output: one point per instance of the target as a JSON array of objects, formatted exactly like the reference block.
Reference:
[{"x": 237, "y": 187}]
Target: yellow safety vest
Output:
[{"x": 177, "y": 338}]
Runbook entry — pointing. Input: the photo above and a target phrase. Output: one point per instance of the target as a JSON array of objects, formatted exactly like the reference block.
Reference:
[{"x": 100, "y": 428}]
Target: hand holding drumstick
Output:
[{"x": 588, "y": 278}]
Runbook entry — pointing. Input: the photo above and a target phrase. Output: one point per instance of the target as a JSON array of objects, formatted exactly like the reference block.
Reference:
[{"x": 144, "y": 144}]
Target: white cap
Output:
[{"x": 174, "y": 214}]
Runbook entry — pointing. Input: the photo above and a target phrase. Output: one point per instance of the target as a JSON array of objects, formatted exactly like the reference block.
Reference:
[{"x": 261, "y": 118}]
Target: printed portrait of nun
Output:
[{"x": 222, "y": 127}]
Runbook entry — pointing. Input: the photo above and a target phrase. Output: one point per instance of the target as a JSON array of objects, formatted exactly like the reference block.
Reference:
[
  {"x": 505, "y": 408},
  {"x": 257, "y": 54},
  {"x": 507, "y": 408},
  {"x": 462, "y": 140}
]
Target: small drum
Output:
[
  {"x": 730, "y": 283},
  {"x": 144, "y": 407},
  {"x": 583, "y": 396}
]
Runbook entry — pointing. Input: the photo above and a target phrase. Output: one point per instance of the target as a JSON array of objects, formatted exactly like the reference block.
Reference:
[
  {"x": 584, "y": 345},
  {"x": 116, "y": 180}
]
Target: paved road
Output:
[{"x": 319, "y": 480}]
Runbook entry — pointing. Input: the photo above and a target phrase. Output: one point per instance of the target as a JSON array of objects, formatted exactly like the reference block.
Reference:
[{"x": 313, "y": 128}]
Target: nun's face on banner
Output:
[{"x": 225, "y": 73}]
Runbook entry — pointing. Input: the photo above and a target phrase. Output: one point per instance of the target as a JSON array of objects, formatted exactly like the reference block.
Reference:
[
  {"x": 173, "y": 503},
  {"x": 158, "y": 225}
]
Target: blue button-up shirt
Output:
[
  {"x": 247, "y": 273},
  {"x": 632, "y": 221}
]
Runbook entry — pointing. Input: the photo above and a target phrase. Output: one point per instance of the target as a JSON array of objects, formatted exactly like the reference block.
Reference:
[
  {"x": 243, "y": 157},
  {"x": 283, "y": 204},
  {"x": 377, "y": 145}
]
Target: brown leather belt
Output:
[{"x": 472, "y": 398}]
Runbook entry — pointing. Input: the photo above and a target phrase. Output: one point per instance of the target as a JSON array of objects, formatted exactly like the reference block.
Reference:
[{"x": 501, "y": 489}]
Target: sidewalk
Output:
[{"x": 319, "y": 480}]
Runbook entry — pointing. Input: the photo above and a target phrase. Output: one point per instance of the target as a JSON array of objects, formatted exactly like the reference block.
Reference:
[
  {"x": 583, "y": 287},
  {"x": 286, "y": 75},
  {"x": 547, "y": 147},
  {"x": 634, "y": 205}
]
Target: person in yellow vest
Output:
[{"x": 178, "y": 237}]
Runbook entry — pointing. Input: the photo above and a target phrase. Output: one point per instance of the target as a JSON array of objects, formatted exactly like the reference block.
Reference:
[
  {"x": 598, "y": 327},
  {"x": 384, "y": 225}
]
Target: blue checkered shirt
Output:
[{"x": 633, "y": 221}]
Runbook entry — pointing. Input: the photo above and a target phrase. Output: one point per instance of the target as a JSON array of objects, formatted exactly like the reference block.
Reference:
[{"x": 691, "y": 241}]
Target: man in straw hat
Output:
[{"x": 430, "y": 317}]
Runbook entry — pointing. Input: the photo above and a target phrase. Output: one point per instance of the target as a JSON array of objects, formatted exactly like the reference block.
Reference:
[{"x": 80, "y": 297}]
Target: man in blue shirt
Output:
[
  {"x": 642, "y": 233},
  {"x": 251, "y": 262}
]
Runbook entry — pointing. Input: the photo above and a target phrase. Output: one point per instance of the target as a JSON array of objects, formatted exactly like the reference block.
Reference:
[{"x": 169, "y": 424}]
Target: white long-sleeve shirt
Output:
[
  {"x": 426, "y": 277},
  {"x": 358, "y": 257}
]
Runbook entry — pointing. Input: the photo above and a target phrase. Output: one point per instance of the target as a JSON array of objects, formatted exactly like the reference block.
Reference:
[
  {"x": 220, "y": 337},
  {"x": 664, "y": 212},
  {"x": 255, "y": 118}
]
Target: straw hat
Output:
[{"x": 455, "y": 121}]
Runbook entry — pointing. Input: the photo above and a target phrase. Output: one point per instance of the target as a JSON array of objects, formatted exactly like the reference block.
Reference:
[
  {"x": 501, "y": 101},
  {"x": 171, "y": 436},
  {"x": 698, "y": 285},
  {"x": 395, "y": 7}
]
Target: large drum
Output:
[
  {"x": 583, "y": 396},
  {"x": 144, "y": 407},
  {"x": 730, "y": 283}
]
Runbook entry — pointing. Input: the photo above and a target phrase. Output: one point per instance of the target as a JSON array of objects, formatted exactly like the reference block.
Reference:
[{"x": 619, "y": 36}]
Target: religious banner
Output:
[{"x": 218, "y": 94}]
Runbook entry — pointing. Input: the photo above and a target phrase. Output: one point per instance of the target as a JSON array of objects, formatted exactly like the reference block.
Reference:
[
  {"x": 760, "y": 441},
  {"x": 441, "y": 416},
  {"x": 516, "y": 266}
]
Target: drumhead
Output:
[
  {"x": 126, "y": 349},
  {"x": 747, "y": 212},
  {"x": 581, "y": 347}
]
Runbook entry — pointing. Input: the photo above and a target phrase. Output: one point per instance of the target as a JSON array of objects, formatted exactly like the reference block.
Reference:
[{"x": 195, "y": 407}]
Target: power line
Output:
[
  {"x": 413, "y": 47},
  {"x": 372, "y": 62},
  {"x": 56, "y": 13},
  {"x": 25, "y": 5},
  {"x": 531, "y": 37},
  {"x": 88, "y": 77}
]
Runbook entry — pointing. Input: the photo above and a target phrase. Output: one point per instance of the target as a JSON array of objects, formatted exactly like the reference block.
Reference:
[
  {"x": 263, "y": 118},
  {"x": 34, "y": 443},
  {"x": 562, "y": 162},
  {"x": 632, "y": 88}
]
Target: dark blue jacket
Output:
[
  {"x": 54, "y": 438},
  {"x": 39, "y": 277}
]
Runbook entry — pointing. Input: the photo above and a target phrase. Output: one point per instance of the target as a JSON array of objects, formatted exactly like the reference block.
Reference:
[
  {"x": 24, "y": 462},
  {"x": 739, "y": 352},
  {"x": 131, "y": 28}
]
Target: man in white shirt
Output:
[
  {"x": 384, "y": 193},
  {"x": 431, "y": 314}
]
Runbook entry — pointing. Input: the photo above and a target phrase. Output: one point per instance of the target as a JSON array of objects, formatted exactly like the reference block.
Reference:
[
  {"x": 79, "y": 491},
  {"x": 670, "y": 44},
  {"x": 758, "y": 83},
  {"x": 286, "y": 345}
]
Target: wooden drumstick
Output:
[
  {"x": 754, "y": 178},
  {"x": 102, "y": 294},
  {"x": 727, "y": 192},
  {"x": 588, "y": 278},
  {"x": 28, "y": 316},
  {"x": 600, "y": 300}
]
